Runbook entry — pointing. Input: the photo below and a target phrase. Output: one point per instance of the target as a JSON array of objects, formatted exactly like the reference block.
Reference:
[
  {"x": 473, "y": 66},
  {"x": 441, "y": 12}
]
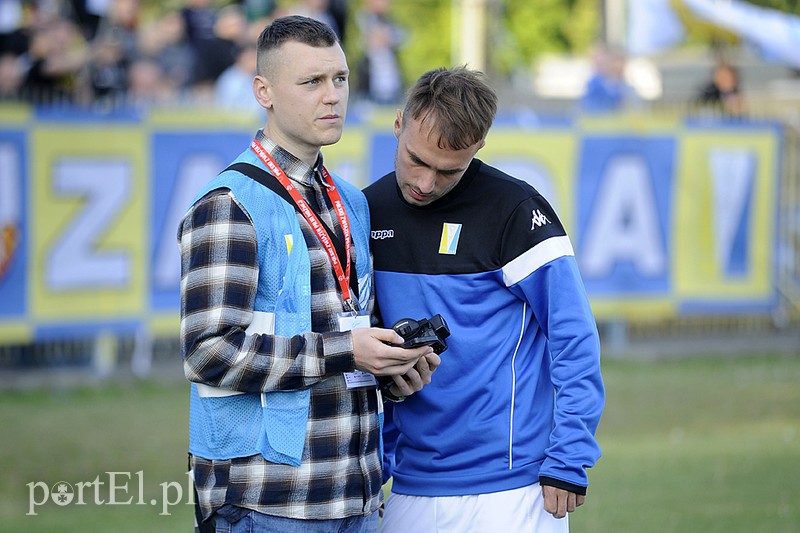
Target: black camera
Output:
[{"x": 424, "y": 332}]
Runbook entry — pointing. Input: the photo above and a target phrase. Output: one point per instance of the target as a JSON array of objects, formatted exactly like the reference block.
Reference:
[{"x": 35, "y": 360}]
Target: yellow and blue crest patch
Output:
[{"x": 449, "y": 241}]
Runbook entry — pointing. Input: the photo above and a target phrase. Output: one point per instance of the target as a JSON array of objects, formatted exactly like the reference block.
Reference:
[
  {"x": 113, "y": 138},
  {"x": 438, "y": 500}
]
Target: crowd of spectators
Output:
[{"x": 130, "y": 53}]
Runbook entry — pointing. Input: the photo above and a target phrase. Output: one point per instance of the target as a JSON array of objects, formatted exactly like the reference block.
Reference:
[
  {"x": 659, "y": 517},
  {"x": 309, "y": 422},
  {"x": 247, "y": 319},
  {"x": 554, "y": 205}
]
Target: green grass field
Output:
[{"x": 696, "y": 445}]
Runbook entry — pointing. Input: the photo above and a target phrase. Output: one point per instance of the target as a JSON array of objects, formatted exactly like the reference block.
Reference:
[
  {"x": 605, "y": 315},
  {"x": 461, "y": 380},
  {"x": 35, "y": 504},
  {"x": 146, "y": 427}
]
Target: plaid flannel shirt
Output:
[{"x": 219, "y": 279}]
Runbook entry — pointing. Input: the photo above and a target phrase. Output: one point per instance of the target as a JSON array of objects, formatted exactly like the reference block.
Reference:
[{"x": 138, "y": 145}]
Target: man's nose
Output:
[
  {"x": 331, "y": 94},
  {"x": 426, "y": 181}
]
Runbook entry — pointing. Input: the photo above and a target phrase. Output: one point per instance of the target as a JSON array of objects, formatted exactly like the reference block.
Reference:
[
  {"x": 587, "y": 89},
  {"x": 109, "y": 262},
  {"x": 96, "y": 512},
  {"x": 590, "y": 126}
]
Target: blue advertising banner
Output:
[
  {"x": 183, "y": 162},
  {"x": 13, "y": 224},
  {"x": 666, "y": 220}
]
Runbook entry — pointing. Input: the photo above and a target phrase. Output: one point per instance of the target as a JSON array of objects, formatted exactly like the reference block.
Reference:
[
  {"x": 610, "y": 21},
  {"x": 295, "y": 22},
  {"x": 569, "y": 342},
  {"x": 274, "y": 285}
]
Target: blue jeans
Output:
[{"x": 247, "y": 521}]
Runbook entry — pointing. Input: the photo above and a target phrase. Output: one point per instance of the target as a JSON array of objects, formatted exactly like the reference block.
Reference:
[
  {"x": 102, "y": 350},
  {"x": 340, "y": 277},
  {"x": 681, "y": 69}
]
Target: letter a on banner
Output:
[{"x": 624, "y": 226}]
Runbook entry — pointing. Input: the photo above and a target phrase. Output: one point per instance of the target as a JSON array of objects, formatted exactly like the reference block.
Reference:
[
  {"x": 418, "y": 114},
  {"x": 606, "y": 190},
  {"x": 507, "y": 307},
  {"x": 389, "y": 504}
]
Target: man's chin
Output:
[{"x": 330, "y": 138}]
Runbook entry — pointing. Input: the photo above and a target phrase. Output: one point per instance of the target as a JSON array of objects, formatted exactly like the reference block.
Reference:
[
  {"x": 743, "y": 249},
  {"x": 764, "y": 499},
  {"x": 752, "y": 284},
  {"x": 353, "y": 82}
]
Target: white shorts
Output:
[{"x": 511, "y": 511}]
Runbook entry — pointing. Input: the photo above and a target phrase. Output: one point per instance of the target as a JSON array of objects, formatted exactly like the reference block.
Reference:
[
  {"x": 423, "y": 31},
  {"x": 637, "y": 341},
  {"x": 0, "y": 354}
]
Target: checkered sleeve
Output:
[{"x": 219, "y": 280}]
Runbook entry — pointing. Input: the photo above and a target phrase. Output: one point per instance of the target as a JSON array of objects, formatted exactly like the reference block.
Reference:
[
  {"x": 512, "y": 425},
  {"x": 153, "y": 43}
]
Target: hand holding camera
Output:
[{"x": 424, "y": 332}]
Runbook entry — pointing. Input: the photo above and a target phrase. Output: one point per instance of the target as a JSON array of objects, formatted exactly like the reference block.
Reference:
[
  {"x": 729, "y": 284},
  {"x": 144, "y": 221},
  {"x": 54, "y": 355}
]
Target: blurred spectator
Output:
[
  {"x": 216, "y": 54},
  {"x": 317, "y": 10},
  {"x": 198, "y": 17},
  {"x": 722, "y": 92},
  {"x": 379, "y": 76},
  {"x": 11, "y": 76},
  {"x": 164, "y": 41},
  {"x": 88, "y": 14},
  {"x": 56, "y": 59},
  {"x": 121, "y": 25},
  {"x": 108, "y": 70},
  {"x": 38, "y": 13},
  {"x": 14, "y": 44},
  {"x": 234, "y": 88},
  {"x": 13, "y": 38},
  {"x": 338, "y": 10},
  {"x": 148, "y": 86},
  {"x": 114, "y": 47},
  {"x": 607, "y": 90}
]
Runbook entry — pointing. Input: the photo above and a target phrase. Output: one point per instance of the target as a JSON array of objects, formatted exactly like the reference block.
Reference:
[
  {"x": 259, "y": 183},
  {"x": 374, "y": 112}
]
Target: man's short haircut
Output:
[
  {"x": 296, "y": 28},
  {"x": 459, "y": 101}
]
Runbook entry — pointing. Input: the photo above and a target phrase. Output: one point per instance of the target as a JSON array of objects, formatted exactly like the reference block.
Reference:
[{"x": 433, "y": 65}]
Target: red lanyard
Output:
[{"x": 342, "y": 275}]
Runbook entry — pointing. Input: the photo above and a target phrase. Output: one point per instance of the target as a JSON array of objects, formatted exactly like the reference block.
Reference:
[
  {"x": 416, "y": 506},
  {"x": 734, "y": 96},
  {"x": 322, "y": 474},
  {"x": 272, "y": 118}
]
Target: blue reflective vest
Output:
[{"x": 226, "y": 424}]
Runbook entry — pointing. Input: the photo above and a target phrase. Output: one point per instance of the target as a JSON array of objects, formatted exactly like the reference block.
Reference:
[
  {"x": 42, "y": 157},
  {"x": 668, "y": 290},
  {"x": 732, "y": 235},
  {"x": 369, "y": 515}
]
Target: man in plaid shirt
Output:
[{"x": 276, "y": 296}]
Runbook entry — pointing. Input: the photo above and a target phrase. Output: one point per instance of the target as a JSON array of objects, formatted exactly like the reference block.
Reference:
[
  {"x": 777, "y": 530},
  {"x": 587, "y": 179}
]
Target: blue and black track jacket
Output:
[{"x": 519, "y": 394}]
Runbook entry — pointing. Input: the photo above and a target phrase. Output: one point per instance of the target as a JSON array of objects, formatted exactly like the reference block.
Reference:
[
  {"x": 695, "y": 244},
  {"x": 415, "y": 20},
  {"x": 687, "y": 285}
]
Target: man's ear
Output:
[
  {"x": 398, "y": 123},
  {"x": 262, "y": 91}
]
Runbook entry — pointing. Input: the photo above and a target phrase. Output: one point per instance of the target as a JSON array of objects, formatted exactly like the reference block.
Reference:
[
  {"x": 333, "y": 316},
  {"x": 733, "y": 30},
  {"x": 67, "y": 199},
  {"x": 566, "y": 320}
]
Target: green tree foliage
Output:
[
  {"x": 787, "y": 6},
  {"x": 537, "y": 25},
  {"x": 428, "y": 44},
  {"x": 527, "y": 29},
  {"x": 518, "y": 31},
  {"x": 582, "y": 28}
]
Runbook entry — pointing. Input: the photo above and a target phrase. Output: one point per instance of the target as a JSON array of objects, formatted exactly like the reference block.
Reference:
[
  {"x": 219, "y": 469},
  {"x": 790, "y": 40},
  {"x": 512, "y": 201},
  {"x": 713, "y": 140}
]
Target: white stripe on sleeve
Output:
[{"x": 541, "y": 254}]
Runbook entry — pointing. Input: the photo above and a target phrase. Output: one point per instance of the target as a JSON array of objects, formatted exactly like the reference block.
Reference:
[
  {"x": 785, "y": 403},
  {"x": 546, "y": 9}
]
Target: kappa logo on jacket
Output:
[
  {"x": 449, "y": 242},
  {"x": 538, "y": 219},
  {"x": 380, "y": 234}
]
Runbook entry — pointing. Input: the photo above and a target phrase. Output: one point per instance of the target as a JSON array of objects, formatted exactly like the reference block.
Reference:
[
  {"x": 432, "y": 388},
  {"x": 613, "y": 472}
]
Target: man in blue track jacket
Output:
[{"x": 502, "y": 437}]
